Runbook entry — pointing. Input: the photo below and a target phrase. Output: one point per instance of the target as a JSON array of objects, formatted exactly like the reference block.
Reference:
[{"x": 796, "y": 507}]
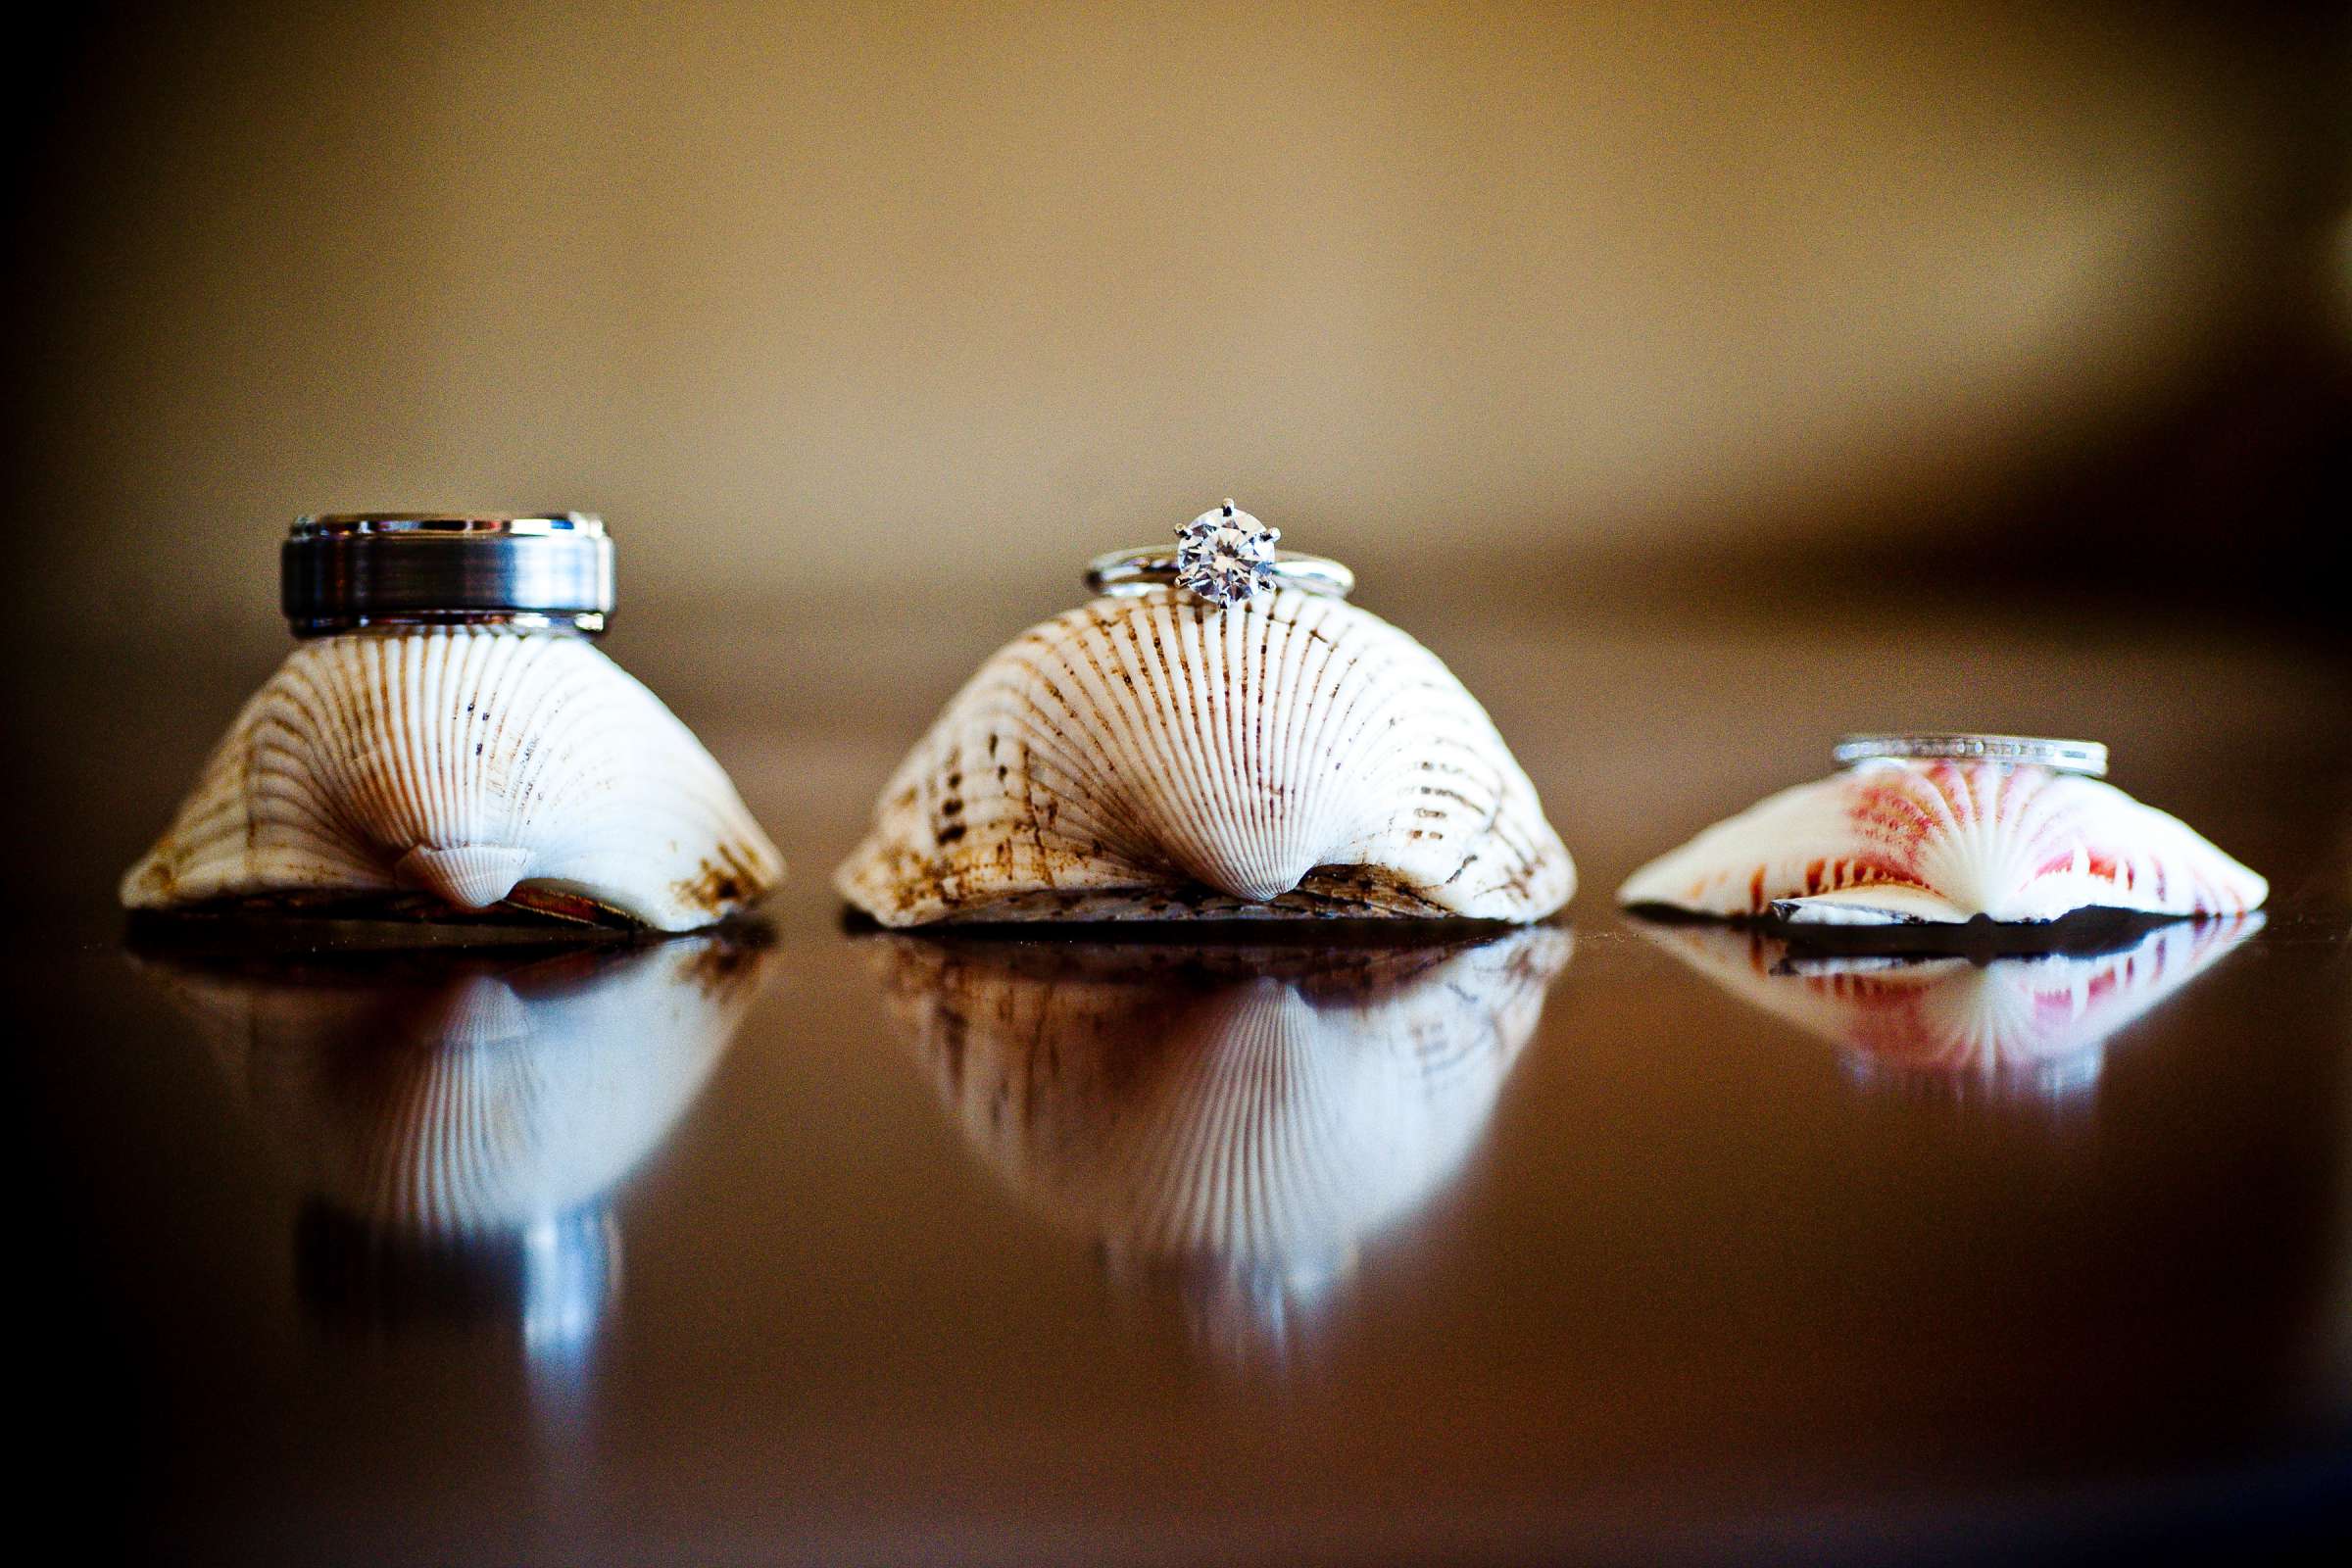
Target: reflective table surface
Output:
[{"x": 1604, "y": 1239}]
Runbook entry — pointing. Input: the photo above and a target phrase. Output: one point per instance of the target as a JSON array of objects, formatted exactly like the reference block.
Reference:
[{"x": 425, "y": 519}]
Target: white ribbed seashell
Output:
[
  {"x": 474, "y": 764},
  {"x": 1245, "y": 1113},
  {"x": 445, "y": 1095},
  {"x": 2031, "y": 1024},
  {"x": 1889, "y": 841},
  {"x": 1156, "y": 757}
]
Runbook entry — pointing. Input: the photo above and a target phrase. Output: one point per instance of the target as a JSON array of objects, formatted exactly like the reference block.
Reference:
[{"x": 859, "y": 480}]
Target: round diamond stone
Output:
[{"x": 1225, "y": 556}]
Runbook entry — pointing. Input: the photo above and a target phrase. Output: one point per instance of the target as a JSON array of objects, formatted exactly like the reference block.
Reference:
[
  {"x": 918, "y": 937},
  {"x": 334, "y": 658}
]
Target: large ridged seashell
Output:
[
  {"x": 1156, "y": 757},
  {"x": 1889, "y": 841},
  {"x": 2035, "y": 1026},
  {"x": 1235, "y": 1117},
  {"x": 473, "y": 765},
  {"x": 448, "y": 1093}
]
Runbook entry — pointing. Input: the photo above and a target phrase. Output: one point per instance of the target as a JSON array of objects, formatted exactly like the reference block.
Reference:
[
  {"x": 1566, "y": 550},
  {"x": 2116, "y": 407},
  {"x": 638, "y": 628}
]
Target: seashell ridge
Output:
[
  {"x": 1155, "y": 756},
  {"x": 475, "y": 765}
]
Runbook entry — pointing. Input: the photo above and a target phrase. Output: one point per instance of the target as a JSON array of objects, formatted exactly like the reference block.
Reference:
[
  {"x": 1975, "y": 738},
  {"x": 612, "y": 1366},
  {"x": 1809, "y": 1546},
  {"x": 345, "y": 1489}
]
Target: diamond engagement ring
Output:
[
  {"x": 2031, "y": 751},
  {"x": 1225, "y": 557}
]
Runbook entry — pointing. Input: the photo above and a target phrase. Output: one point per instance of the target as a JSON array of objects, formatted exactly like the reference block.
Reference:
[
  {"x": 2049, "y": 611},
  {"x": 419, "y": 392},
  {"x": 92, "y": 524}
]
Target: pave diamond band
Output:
[
  {"x": 1225, "y": 557},
  {"x": 2033, "y": 751}
]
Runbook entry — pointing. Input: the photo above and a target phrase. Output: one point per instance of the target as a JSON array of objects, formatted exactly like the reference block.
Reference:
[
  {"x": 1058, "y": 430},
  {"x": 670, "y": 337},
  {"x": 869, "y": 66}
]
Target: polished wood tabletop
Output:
[{"x": 808, "y": 1243}]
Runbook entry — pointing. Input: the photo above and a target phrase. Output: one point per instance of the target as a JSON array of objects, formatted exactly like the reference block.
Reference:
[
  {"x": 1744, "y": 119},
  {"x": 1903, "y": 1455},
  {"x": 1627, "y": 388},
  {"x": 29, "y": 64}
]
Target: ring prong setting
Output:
[{"x": 1226, "y": 555}]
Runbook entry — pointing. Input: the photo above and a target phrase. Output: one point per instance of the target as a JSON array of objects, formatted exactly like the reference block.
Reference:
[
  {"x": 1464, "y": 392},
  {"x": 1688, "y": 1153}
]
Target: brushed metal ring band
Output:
[
  {"x": 2031, "y": 751},
  {"x": 348, "y": 571},
  {"x": 1127, "y": 572}
]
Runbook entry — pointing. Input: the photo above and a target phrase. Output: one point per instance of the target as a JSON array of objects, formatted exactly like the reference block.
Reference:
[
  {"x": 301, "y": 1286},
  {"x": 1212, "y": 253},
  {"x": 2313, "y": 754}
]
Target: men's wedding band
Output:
[{"x": 343, "y": 571}]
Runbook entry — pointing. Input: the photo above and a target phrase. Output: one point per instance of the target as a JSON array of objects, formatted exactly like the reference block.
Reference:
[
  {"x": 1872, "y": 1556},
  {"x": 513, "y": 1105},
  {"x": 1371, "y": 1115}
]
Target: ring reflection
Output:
[{"x": 1228, "y": 1122}]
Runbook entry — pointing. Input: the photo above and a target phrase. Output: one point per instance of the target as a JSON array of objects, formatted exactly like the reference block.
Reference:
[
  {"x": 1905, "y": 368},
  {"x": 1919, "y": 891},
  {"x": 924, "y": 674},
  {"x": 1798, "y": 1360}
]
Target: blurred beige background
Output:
[{"x": 810, "y": 301}]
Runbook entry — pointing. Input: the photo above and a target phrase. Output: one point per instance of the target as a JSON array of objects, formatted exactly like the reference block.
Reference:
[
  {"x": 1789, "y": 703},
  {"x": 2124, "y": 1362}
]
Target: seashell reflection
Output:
[
  {"x": 2022, "y": 1025},
  {"x": 1236, "y": 1119},
  {"x": 457, "y": 1119}
]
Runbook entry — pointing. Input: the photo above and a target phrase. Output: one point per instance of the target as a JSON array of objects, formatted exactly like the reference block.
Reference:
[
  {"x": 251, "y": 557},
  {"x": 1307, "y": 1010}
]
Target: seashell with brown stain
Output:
[
  {"x": 1943, "y": 842},
  {"x": 1155, "y": 756},
  {"x": 2023, "y": 1026},
  {"x": 477, "y": 765},
  {"x": 1237, "y": 1119}
]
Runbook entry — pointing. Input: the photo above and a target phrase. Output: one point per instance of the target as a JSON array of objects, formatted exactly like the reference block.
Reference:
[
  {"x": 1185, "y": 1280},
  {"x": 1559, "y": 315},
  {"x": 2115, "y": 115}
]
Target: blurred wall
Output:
[{"x": 805, "y": 298}]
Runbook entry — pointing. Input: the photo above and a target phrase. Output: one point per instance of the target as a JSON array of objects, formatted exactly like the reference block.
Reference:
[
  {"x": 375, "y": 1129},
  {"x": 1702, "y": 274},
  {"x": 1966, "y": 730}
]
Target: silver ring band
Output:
[
  {"x": 1126, "y": 573},
  {"x": 2029, "y": 751},
  {"x": 345, "y": 571}
]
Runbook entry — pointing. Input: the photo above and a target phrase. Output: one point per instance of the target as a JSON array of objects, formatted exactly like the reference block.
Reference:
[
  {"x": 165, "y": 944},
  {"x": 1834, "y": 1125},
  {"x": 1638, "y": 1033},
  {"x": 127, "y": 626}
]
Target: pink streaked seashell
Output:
[{"x": 1943, "y": 842}]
